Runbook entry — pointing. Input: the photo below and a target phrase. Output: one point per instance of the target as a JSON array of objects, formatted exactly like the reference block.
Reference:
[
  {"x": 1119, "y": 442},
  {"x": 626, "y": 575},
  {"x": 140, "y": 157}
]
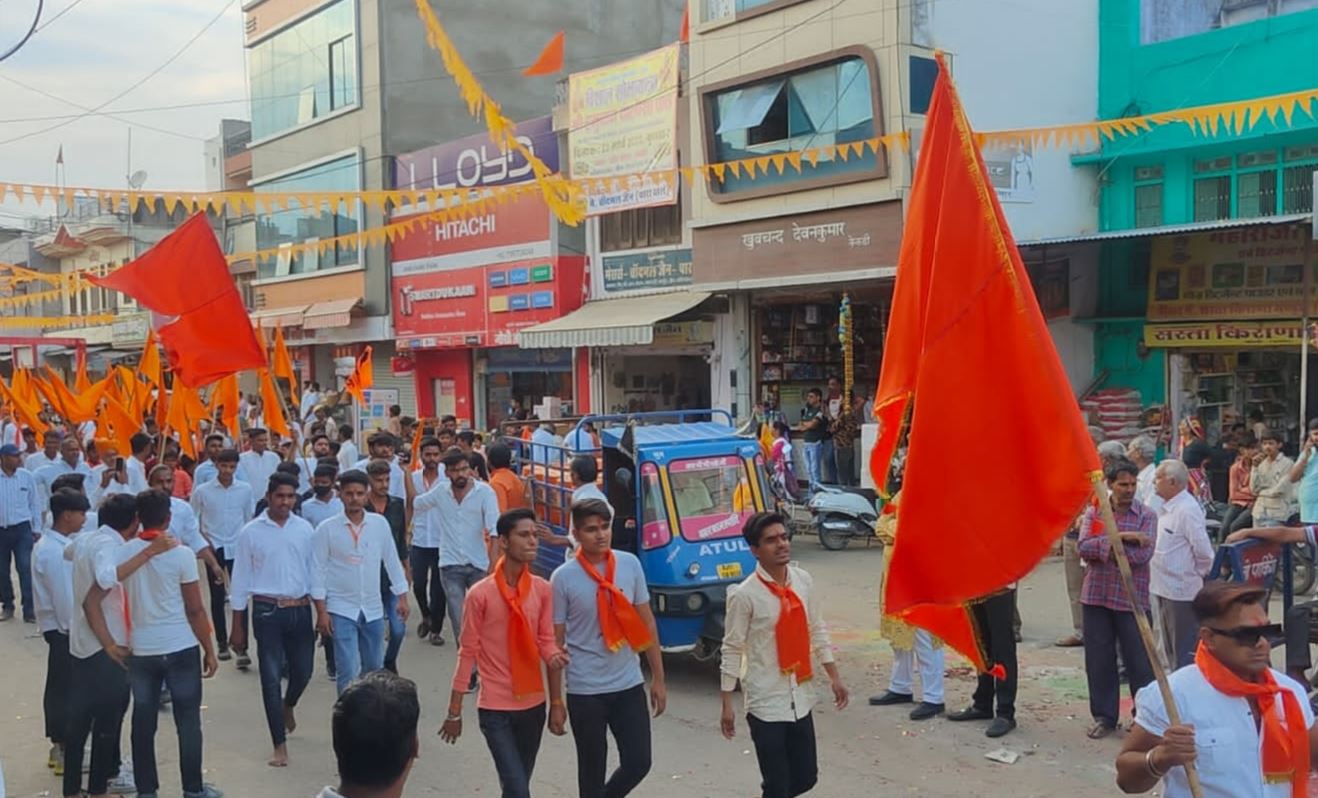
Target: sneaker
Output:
[
  {"x": 56, "y": 754},
  {"x": 223, "y": 654},
  {"x": 123, "y": 784},
  {"x": 6, "y": 614},
  {"x": 243, "y": 662},
  {"x": 332, "y": 676},
  {"x": 207, "y": 791}
]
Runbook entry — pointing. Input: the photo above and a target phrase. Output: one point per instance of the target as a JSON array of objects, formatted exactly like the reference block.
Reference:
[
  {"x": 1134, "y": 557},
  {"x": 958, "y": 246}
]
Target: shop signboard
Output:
[
  {"x": 622, "y": 121},
  {"x": 1226, "y": 334},
  {"x": 823, "y": 242},
  {"x": 477, "y": 161},
  {"x": 1244, "y": 273},
  {"x": 683, "y": 333},
  {"x": 518, "y": 359},
  {"x": 515, "y": 230},
  {"x": 647, "y": 270}
]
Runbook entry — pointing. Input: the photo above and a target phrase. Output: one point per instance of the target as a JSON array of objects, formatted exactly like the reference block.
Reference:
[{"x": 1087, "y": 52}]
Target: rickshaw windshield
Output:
[
  {"x": 654, "y": 516},
  {"x": 712, "y": 495}
]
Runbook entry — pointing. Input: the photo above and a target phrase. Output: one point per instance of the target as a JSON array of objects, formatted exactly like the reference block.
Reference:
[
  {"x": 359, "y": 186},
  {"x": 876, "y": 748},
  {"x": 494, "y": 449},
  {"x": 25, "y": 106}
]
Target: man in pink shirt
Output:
[{"x": 507, "y": 633}]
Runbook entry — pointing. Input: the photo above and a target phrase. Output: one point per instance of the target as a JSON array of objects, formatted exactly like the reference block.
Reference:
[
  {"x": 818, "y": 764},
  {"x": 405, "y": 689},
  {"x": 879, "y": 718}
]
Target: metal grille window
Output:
[
  {"x": 1297, "y": 188},
  {"x": 1148, "y": 205},
  {"x": 1256, "y": 194},
  {"x": 1212, "y": 198}
]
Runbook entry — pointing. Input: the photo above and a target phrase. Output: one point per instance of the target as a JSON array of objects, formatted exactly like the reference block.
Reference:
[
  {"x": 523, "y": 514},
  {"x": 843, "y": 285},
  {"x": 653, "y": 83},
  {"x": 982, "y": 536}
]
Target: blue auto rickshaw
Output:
[{"x": 682, "y": 484}]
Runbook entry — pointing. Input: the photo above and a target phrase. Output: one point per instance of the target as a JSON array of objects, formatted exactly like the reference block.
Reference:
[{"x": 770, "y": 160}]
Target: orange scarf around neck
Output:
[
  {"x": 1285, "y": 750},
  {"x": 619, "y": 621},
  {"x": 792, "y": 632},
  {"x": 523, "y": 655}
]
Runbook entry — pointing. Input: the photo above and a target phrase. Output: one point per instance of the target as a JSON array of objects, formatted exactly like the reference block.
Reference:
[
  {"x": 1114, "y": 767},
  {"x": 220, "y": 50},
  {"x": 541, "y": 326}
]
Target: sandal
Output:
[
  {"x": 436, "y": 639},
  {"x": 1100, "y": 730}
]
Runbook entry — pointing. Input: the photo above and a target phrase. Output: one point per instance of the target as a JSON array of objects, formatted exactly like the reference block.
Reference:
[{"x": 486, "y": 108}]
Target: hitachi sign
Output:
[{"x": 465, "y": 228}]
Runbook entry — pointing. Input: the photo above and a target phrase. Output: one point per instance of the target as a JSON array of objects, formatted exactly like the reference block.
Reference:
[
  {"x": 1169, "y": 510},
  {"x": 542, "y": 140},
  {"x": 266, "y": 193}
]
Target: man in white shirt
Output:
[
  {"x": 1248, "y": 729},
  {"x": 306, "y": 464},
  {"x": 223, "y": 506},
  {"x": 779, "y": 695},
  {"x": 310, "y": 399},
  {"x": 110, "y": 476},
  {"x": 1182, "y": 557},
  {"x": 273, "y": 569},
  {"x": 382, "y": 446},
  {"x": 135, "y": 466},
  {"x": 52, "y": 589},
  {"x": 98, "y": 673},
  {"x": 20, "y": 519},
  {"x": 468, "y": 517},
  {"x": 51, "y": 441},
  {"x": 183, "y": 521},
  {"x": 69, "y": 461},
  {"x": 257, "y": 463},
  {"x": 348, "y": 552},
  {"x": 348, "y": 453},
  {"x": 1141, "y": 450},
  {"x": 170, "y": 646},
  {"x": 427, "y": 584},
  {"x": 1270, "y": 482},
  {"x": 206, "y": 470}
]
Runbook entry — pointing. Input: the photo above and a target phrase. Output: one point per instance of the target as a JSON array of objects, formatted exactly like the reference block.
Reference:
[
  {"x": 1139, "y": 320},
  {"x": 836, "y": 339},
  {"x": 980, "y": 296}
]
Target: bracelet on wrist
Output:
[
  {"x": 1148, "y": 763},
  {"x": 451, "y": 717},
  {"x": 557, "y": 702}
]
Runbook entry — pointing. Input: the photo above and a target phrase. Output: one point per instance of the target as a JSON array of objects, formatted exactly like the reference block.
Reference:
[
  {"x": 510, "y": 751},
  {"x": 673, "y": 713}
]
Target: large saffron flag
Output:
[
  {"x": 281, "y": 364},
  {"x": 185, "y": 279},
  {"x": 361, "y": 378},
  {"x": 968, "y": 363}
]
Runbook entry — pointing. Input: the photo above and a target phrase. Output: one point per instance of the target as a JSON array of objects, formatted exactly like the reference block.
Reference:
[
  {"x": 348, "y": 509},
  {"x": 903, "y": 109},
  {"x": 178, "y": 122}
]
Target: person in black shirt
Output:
[
  {"x": 394, "y": 511},
  {"x": 814, "y": 424},
  {"x": 467, "y": 442}
]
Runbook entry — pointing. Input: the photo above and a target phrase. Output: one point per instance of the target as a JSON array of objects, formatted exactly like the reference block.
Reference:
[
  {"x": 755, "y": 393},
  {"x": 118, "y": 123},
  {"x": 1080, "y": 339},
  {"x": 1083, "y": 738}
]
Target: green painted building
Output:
[{"x": 1166, "y": 55}]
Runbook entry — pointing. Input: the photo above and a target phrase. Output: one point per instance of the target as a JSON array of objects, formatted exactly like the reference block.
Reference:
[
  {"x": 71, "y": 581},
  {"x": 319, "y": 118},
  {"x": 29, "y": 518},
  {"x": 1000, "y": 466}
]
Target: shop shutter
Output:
[{"x": 385, "y": 379}]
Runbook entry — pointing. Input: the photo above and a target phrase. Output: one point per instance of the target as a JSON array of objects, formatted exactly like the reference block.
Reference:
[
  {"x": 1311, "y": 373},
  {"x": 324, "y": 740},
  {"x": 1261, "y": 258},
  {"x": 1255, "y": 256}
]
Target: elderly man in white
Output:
[
  {"x": 1141, "y": 450},
  {"x": 1182, "y": 558}
]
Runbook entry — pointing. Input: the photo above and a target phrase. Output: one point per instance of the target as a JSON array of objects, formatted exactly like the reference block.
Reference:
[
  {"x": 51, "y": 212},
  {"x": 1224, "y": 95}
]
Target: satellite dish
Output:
[{"x": 137, "y": 179}]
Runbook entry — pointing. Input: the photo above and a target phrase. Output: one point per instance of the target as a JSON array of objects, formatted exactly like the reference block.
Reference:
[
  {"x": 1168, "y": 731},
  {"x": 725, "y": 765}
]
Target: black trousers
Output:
[
  {"x": 513, "y": 737},
  {"x": 1298, "y": 622},
  {"x": 99, "y": 701},
  {"x": 787, "y": 757},
  {"x": 1105, "y": 630},
  {"x": 430, "y": 598},
  {"x": 218, "y": 615},
  {"x": 55, "y": 701},
  {"x": 1236, "y": 518},
  {"x": 994, "y": 618},
  {"x": 627, "y": 715}
]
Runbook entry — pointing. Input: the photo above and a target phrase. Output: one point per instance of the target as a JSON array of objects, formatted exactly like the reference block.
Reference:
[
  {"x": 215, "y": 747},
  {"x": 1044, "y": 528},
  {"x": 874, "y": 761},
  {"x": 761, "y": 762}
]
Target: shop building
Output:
[{"x": 1205, "y": 236}]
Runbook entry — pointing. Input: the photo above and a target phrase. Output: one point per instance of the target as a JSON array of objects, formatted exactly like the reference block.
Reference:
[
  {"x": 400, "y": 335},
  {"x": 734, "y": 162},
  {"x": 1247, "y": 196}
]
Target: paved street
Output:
[{"x": 877, "y": 752}]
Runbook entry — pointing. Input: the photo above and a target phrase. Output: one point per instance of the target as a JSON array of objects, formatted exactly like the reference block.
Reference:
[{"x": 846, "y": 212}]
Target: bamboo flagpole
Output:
[{"x": 1146, "y": 633}]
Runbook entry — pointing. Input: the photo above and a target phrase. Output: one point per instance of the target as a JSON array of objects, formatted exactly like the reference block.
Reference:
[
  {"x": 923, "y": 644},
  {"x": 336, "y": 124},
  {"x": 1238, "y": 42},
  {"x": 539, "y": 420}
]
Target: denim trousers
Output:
[
  {"x": 358, "y": 647},
  {"x": 513, "y": 737},
  {"x": 16, "y": 545},
  {"x": 283, "y": 634},
  {"x": 458, "y": 579},
  {"x": 181, "y": 673},
  {"x": 812, "y": 465},
  {"x": 397, "y": 630}
]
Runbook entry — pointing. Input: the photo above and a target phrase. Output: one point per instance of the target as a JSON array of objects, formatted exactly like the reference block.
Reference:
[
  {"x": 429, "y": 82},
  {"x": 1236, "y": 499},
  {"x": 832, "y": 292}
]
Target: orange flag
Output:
[
  {"x": 965, "y": 322},
  {"x": 416, "y": 444},
  {"x": 74, "y": 408},
  {"x": 149, "y": 365},
  {"x": 282, "y": 365},
  {"x": 81, "y": 383},
  {"x": 119, "y": 422},
  {"x": 225, "y": 396},
  {"x": 361, "y": 378},
  {"x": 271, "y": 407},
  {"x": 684, "y": 32},
  {"x": 550, "y": 61},
  {"x": 25, "y": 413}
]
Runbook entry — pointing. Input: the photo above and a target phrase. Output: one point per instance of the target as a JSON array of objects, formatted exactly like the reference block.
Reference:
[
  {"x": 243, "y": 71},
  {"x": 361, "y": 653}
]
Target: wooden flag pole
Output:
[{"x": 1141, "y": 620}]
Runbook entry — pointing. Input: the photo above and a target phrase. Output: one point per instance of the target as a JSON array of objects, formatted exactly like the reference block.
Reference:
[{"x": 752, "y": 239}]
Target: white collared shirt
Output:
[
  {"x": 95, "y": 562},
  {"x": 136, "y": 471},
  {"x": 317, "y": 511},
  {"x": 38, "y": 460},
  {"x": 52, "y": 583},
  {"x": 273, "y": 560},
  {"x": 1227, "y": 741},
  {"x": 348, "y": 566},
  {"x": 1144, "y": 485},
  {"x": 425, "y": 523},
  {"x": 1183, "y": 553},
  {"x": 750, "y": 648},
  {"x": 397, "y": 477},
  {"x": 257, "y": 468},
  {"x": 347, "y": 455},
  {"x": 20, "y": 499},
  {"x": 223, "y": 511},
  {"x": 183, "y": 525},
  {"x": 463, "y": 526},
  {"x": 95, "y": 493}
]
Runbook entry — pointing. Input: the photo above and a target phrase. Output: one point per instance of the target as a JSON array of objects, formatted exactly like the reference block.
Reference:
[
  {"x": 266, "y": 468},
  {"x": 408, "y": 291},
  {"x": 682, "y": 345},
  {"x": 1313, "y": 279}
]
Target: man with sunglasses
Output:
[{"x": 1248, "y": 729}]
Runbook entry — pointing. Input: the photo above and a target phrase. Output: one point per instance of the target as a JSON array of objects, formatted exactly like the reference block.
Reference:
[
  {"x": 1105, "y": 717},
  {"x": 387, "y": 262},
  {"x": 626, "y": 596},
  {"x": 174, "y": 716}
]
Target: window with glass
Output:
[
  {"x": 1212, "y": 198},
  {"x": 641, "y": 227},
  {"x": 654, "y": 513},
  {"x": 1148, "y": 196},
  {"x": 1299, "y": 164},
  {"x": 304, "y": 71},
  {"x": 712, "y": 496},
  {"x": 813, "y": 109},
  {"x": 727, "y": 9},
  {"x": 296, "y": 225}
]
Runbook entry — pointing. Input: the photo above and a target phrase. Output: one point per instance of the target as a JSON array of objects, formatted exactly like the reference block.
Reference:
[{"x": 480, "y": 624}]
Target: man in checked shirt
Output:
[{"x": 1109, "y": 618}]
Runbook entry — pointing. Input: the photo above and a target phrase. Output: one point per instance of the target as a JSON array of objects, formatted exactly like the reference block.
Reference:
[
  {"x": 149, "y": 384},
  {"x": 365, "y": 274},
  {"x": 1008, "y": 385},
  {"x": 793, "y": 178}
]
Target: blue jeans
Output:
[
  {"x": 514, "y": 740},
  {"x": 181, "y": 673},
  {"x": 358, "y": 647},
  {"x": 458, "y": 579},
  {"x": 16, "y": 544},
  {"x": 812, "y": 455},
  {"x": 282, "y": 634},
  {"x": 827, "y": 462},
  {"x": 397, "y": 630}
]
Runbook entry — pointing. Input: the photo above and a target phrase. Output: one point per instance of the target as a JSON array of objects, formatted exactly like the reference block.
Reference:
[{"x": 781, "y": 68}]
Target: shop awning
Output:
[
  {"x": 288, "y": 316},
  {"x": 333, "y": 313},
  {"x": 628, "y": 321},
  {"x": 1171, "y": 229}
]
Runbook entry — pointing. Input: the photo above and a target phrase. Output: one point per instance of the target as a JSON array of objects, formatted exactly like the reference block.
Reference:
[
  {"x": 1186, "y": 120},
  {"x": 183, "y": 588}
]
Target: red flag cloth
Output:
[
  {"x": 361, "y": 378},
  {"x": 969, "y": 351},
  {"x": 185, "y": 278},
  {"x": 550, "y": 61},
  {"x": 684, "y": 32}
]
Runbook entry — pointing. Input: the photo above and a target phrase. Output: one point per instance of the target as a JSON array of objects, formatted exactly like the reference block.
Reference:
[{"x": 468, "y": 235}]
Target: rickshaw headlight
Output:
[
  {"x": 661, "y": 602},
  {"x": 693, "y": 570},
  {"x": 694, "y": 601}
]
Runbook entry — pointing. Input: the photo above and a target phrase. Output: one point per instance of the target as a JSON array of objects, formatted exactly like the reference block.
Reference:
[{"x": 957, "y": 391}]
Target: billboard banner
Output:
[
  {"x": 622, "y": 120},
  {"x": 515, "y": 230},
  {"x": 476, "y": 161}
]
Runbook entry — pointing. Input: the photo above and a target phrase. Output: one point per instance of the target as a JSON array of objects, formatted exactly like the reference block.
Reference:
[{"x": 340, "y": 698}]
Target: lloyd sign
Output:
[{"x": 476, "y": 161}]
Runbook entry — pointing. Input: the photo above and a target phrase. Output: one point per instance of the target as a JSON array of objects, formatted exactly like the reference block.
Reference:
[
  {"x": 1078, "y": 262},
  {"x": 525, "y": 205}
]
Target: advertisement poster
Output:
[
  {"x": 476, "y": 161},
  {"x": 516, "y": 230},
  {"x": 1246, "y": 273},
  {"x": 622, "y": 120}
]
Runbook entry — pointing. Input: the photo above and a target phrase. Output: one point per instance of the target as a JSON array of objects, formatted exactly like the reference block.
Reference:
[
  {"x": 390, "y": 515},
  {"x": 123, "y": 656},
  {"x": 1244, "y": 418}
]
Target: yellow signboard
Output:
[
  {"x": 1225, "y": 334},
  {"x": 1243, "y": 273}
]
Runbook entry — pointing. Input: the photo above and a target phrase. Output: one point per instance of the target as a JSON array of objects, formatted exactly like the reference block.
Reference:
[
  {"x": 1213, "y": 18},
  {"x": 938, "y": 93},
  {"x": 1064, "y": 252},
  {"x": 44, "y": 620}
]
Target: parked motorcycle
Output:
[{"x": 841, "y": 514}]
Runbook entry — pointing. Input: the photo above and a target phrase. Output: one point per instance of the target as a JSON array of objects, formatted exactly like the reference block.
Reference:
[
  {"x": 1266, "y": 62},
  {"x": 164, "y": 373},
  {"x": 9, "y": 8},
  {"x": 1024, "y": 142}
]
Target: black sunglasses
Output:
[{"x": 1249, "y": 635}]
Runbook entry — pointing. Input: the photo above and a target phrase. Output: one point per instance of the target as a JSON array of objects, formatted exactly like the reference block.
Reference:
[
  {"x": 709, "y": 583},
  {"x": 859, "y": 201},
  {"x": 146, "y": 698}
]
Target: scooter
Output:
[{"x": 841, "y": 514}]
